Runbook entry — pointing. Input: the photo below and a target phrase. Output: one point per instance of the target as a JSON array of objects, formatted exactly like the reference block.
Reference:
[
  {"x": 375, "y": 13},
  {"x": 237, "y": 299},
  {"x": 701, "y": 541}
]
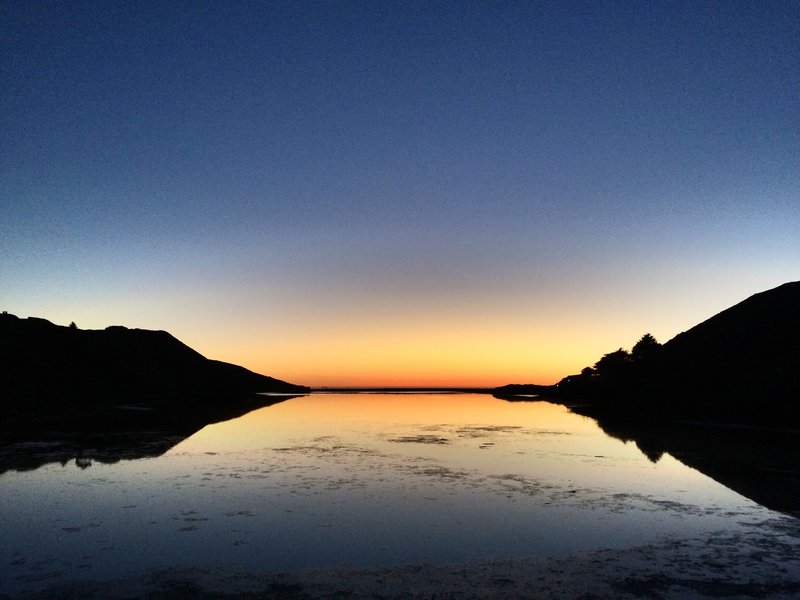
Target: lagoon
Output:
[{"x": 360, "y": 481}]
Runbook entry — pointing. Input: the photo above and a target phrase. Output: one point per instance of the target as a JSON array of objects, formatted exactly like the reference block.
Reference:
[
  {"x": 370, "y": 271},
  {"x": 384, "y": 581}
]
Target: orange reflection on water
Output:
[
  {"x": 428, "y": 409},
  {"x": 316, "y": 415}
]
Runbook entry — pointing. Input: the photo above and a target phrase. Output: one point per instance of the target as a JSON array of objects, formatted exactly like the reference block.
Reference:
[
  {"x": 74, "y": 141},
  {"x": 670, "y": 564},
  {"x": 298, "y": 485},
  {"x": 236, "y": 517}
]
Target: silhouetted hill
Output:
[
  {"x": 746, "y": 357},
  {"x": 741, "y": 365},
  {"x": 46, "y": 365}
]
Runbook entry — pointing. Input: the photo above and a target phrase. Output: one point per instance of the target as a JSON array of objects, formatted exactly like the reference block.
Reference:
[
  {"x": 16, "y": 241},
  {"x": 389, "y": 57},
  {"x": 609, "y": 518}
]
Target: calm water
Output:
[{"x": 357, "y": 480}]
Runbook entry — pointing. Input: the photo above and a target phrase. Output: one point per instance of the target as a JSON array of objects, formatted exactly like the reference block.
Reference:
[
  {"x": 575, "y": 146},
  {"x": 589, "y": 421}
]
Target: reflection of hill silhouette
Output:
[
  {"x": 113, "y": 434},
  {"x": 760, "y": 463}
]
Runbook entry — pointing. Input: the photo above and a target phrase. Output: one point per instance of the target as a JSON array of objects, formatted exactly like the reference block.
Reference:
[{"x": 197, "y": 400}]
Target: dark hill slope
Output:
[
  {"x": 745, "y": 356},
  {"x": 42, "y": 363},
  {"x": 740, "y": 365}
]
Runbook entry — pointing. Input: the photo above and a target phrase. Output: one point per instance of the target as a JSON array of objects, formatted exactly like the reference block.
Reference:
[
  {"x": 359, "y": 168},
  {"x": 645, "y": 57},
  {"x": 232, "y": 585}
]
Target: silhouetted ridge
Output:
[
  {"x": 741, "y": 365},
  {"x": 747, "y": 352},
  {"x": 41, "y": 363}
]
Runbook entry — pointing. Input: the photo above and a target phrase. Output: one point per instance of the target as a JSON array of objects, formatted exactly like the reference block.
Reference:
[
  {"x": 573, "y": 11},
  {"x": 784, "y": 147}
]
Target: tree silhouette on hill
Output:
[
  {"x": 613, "y": 364},
  {"x": 645, "y": 348},
  {"x": 740, "y": 365}
]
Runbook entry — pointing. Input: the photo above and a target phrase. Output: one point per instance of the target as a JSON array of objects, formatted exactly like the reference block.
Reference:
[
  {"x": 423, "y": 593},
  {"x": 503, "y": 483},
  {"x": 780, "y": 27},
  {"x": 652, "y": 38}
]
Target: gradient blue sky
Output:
[{"x": 403, "y": 193}]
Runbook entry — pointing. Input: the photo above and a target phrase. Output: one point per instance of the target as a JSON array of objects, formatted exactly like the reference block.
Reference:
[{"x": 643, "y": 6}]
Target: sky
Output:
[{"x": 410, "y": 193}]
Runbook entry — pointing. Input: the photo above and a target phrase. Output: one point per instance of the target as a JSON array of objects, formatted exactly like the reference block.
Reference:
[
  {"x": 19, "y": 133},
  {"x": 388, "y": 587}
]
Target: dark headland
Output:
[
  {"x": 43, "y": 363},
  {"x": 722, "y": 397},
  {"x": 740, "y": 366},
  {"x": 112, "y": 393}
]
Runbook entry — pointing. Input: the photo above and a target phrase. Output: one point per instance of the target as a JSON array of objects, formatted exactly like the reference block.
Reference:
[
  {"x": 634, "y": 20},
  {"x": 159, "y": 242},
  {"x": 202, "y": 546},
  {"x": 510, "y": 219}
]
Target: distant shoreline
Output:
[{"x": 402, "y": 390}]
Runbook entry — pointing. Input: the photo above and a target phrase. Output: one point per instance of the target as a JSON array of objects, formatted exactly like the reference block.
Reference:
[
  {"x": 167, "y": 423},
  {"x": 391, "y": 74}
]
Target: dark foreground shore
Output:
[{"x": 759, "y": 562}]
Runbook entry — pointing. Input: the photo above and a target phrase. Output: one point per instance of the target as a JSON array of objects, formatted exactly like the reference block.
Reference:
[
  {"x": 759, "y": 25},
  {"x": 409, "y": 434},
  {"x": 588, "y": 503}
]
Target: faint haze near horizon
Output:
[{"x": 398, "y": 193}]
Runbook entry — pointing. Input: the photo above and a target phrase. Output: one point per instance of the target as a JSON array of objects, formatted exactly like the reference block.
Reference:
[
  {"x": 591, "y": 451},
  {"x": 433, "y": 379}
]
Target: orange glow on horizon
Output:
[
  {"x": 403, "y": 342},
  {"x": 435, "y": 360}
]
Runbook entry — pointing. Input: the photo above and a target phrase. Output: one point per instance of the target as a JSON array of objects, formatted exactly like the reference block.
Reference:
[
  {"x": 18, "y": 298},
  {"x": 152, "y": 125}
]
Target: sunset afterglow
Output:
[{"x": 397, "y": 194}]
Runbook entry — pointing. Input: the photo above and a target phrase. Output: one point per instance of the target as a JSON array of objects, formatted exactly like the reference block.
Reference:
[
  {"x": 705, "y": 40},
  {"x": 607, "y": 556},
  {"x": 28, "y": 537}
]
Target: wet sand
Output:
[{"x": 763, "y": 561}]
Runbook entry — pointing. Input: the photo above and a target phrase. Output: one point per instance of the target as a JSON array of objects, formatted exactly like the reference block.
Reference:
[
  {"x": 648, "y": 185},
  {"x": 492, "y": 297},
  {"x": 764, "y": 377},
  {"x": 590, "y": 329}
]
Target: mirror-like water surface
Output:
[{"x": 358, "y": 480}]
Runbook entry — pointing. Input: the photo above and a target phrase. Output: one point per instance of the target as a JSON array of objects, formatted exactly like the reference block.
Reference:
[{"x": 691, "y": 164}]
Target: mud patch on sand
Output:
[
  {"x": 420, "y": 439},
  {"x": 476, "y": 431}
]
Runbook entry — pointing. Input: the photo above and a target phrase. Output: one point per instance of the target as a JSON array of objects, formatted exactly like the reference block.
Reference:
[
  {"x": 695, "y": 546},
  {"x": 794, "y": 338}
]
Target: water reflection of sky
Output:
[{"x": 357, "y": 480}]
